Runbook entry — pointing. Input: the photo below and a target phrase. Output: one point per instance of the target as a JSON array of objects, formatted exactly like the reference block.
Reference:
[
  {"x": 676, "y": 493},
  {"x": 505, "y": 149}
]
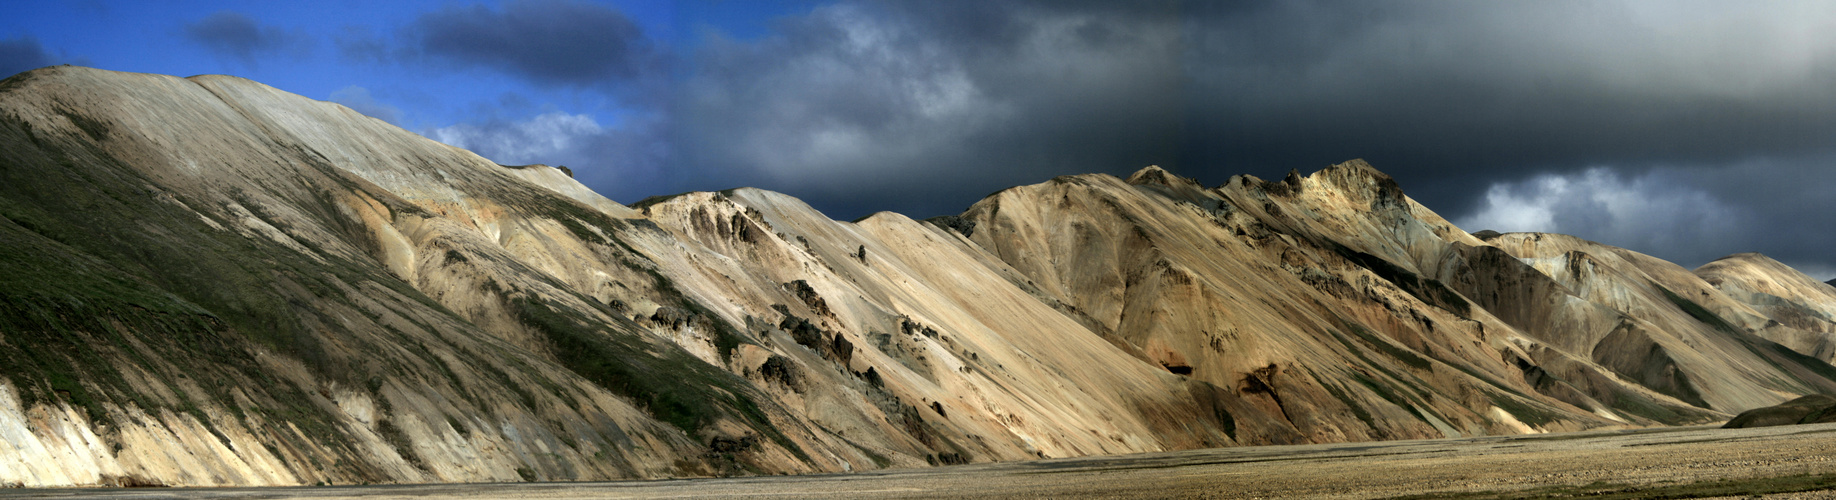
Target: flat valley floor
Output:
[{"x": 1675, "y": 462}]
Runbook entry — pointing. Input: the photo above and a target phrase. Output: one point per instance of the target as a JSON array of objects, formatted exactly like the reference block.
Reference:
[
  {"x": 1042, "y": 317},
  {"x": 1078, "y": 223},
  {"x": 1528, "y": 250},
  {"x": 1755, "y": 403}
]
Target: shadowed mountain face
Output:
[{"x": 207, "y": 281}]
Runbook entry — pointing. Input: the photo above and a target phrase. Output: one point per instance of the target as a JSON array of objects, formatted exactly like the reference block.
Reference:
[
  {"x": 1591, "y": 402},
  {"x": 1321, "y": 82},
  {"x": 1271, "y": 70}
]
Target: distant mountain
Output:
[
  {"x": 208, "y": 281},
  {"x": 1796, "y": 309}
]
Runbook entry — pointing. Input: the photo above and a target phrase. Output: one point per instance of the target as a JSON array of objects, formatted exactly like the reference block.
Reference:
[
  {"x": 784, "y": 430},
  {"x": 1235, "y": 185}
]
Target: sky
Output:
[{"x": 1688, "y": 130}]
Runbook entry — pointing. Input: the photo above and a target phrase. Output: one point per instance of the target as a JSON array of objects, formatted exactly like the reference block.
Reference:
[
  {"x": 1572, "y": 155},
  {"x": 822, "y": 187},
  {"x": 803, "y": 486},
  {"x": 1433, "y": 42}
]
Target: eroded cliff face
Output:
[
  {"x": 208, "y": 281},
  {"x": 1330, "y": 300}
]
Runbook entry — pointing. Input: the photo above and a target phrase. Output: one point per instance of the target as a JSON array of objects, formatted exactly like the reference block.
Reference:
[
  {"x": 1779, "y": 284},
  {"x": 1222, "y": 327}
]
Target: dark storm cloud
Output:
[
  {"x": 21, "y": 54},
  {"x": 361, "y": 44},
  {"x": 1447, "y": 96},
  {"x": 1686, "y": 214},
  {"x": 1782, "y": 204},
  {"x": 548, "y": 43},
  {"x": 232, "y": 34},
  {"x": 544, "y": 41},
  {"x": 1684, "y": 131},
  {"x": 923, "y": 106}
]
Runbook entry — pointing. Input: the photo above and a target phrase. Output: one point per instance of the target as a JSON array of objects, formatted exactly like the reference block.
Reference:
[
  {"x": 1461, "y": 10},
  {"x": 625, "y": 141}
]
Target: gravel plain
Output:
[{"x": 1676, "y": 462}]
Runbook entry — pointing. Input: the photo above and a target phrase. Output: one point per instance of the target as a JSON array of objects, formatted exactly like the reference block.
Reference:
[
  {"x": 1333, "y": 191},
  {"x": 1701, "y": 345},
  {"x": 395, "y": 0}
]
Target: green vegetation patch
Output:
[
  {"x": 1428, "y": 290},
  {"x": 1697, "y": 311},
  {"x": 62, "y": 314},
  {"x": 1356, "y": 408},
  {"x": 1643, "y": 406},
  {"x": 1524, "y": 412},
  {"x": 1392, "y": 350},
  {"x": 674, "y": 386},
  {"x": 98, "y": 273},
  {"x": 581, "y": 231},
  {"x": 1403, "y": 400}
]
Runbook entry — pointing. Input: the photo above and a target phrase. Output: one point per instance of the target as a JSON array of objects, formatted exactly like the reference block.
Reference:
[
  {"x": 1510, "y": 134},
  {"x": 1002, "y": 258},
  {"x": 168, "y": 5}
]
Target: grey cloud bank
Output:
[
  {"x": 1683, "y": 130},
  {"x": 543, "y": 40},
  {"x": 235, "y": 35}
]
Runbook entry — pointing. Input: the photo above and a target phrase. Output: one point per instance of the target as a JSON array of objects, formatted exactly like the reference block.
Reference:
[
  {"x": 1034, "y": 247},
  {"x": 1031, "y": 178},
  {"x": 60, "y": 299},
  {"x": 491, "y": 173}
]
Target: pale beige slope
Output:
[
  {"x": 335, "y": 186},
  {"x": 339, "y": 188},
  {"x": 1360, "y": 214},
  {"x": 1799, "y": 311},
  {"x": 1601, "y": 330},
  {"x": 1672, "y": 318},
  {"x": 1607, "y": 305},
  {"x": 1354, "y": 205},
  {"x": 937, "y": 324},
  {"x": 448, "y": 398},
  {"x": 563, "y": 257},
  {"x": 467, "y": 321},
  {"x": 1201, "y": 284},
  {"x": 562, "y": 181},
  {"x": 1512, "y": 305}
]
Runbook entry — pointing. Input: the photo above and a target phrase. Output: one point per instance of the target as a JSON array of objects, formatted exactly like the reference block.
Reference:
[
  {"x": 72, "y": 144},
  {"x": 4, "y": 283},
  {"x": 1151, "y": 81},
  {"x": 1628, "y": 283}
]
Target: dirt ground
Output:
[{"x": 1678, "y": 462}]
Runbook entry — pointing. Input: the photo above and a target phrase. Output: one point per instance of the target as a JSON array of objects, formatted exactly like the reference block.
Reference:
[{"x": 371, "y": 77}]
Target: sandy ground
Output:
[{"x": 1625, "y": 462}]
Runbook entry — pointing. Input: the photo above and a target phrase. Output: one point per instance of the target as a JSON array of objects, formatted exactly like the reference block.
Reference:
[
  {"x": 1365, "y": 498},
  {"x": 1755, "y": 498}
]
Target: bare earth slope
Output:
[
  {"x": 1789, "y": 308},
  {"x": 207, "y": 281}
]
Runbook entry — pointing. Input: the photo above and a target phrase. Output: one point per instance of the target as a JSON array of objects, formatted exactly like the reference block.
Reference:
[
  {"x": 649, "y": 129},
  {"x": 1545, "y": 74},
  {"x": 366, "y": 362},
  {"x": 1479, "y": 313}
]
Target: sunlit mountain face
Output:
[{"x": 210, "y": 281}]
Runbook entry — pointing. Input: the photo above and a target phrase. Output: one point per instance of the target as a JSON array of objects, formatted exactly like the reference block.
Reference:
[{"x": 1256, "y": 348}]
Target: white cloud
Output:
[
  {"x": 551, "y": 138},
  {"x": 921, "y": 107},
  {"x": 1649, "y": 213},
  {"x": 621, "y": 161}
]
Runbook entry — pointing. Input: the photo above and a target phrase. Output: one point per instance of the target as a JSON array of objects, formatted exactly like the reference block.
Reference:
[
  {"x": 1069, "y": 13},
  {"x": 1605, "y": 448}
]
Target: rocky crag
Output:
[{"x": 207, "y": 281}]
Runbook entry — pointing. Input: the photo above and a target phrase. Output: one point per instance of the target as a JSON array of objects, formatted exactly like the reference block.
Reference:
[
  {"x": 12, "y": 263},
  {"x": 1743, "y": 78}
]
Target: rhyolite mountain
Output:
[{"x": 208, "y": 281}]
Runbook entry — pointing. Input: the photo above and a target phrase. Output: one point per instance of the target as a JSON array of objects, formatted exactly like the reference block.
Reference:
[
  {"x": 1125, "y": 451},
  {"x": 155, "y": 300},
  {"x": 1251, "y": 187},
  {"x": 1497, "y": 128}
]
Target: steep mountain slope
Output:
[
  {"x": 1304, "y": 295},
  {"x": 247, "y": 303},
  {"x": 1676, "y": 333},
  {"x": 209, "y": 281},
  {"x": 289, "y": 292},
  {"x": 1785, "y": 305}
]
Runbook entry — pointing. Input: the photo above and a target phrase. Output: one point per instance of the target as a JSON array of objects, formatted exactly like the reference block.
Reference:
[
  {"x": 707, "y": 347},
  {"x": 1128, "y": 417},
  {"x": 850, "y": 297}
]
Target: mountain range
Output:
[{"x": 208, "y": 281}]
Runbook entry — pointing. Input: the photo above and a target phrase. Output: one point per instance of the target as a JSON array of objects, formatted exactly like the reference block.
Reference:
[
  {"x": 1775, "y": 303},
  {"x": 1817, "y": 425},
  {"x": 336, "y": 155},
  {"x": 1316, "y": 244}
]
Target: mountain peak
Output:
[
  {"x": 1357, "y": 164},
  {"x": 421, "y": 313},
  {"x": 1356, "y": 177},
  {"x": 1153, "y": 174},
  {"x": 1747, "y": 256},
  {"x": 1148, "y": 173}
]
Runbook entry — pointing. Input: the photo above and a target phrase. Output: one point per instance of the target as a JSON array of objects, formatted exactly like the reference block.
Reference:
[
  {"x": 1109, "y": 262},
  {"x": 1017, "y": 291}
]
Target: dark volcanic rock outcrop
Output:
[{"x": 1812, "y": 409}]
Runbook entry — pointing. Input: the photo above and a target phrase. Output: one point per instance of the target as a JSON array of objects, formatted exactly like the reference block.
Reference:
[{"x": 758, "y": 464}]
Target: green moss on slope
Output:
[
  {"x": 672, "y": 385},
  {"x": 1428, "y": 290}
]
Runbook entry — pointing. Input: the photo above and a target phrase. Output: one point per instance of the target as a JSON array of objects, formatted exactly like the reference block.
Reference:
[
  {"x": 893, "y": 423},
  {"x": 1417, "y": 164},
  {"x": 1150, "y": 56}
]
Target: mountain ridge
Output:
[{"x": 213, "y": 282}]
